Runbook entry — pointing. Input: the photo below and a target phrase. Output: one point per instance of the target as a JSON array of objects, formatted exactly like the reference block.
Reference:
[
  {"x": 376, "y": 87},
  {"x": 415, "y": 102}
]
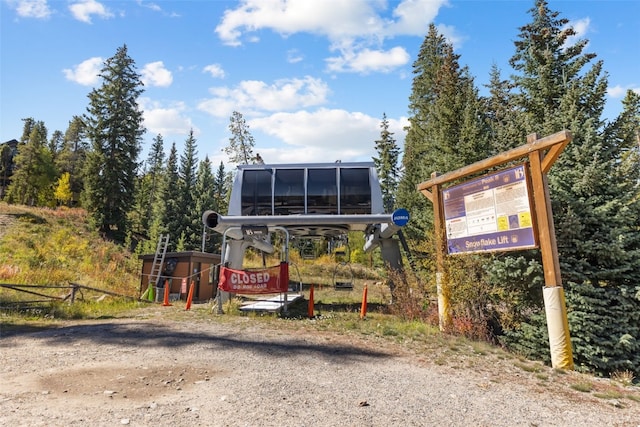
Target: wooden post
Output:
[
  {"x": 74, "y": 289},
  {"x": 553, "y": 293},
  {"x": 544, "y": 218},
  {"x": 442, "y": 285}
]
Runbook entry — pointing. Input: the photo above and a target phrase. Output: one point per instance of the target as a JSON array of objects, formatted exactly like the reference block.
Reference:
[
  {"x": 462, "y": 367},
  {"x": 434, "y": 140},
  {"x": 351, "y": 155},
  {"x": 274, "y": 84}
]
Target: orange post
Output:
[
  {"x": 166, "y": 294},
  {"x": 190, "y": 296},
  {"x": 310, "y": 309},
  {"x": 363, "y": 308}
]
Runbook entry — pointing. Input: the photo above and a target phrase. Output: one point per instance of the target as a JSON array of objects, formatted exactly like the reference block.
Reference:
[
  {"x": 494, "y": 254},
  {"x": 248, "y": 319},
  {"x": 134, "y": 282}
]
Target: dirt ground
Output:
[{"x": 211, "y": 370}]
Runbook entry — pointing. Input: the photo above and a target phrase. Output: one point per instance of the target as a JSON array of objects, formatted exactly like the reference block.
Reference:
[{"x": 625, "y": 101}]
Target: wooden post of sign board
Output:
[
  {"x": 442, "y": 284},
  {"x": 544, "y": 218},
  {"x": 553, "y": 292}
]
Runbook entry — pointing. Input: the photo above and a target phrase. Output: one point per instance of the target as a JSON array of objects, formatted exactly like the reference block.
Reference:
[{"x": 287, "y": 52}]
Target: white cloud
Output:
[
  {"x": 155, "y": 74},
  {"x": 366, "y": 60},
  {"x": 294, "y": 56},
  {"x": 581, "y": 28},
  {"x": 82, "y": 10},
  {"x": 215, "y": 70},
  {"x": 149, "y": 5},
  {"x": 292, "y": 16},
  {"x": 252, "y": 97},
  {"x": 356, "y": 28},
  {"x": 325, "y": 135},
  {"x": 414, "y": 16},
  {"x": 38, "y": 9},
  {"x": 620, "y": 91},
  {"x": 85, "y": 73},
  {"x": 166, "y": 120}
]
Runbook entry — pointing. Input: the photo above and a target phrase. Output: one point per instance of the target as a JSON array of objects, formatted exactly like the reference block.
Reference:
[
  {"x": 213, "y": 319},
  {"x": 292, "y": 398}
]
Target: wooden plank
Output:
[
  {"x": 562, "y": 137},
  {"x": 552, "y": 155},
  {"x": 544, "y": 219},
  {"x": 442, "y": 285}
]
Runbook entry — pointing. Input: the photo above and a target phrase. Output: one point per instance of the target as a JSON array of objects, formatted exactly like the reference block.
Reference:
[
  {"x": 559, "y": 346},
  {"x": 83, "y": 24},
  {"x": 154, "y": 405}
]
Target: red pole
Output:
[
  {"x": 310, "y": 308},
  {"x": 363, "y": 308}
]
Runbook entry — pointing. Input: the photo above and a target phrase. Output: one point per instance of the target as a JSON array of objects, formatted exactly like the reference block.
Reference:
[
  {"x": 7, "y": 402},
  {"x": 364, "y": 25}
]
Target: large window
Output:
[
  {"x": 322, "y": 191},
  {"x": 355, "y": 191},
  {"x": 256, "y": 192},
  {"x": 288, "y": 193}
]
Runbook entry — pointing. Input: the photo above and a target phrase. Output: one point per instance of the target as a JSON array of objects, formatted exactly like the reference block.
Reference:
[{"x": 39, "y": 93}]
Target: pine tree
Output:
[
  {"x": 172, "y": 212},
  {"x": 447, "y": 126},
  {"x": 34, "y": 173},
  {"x": 205, "y": 199},
  {"x": 241, "y": 143},
  {"x": 114, "y": 125},
  {"x": 55, "y": 143},
  {"x": 191, "y": 224},
  {"x": 6, "y": 167},
  {"x": 222, "y": 185},
  {"x": 593, "y": 185},
  {"x": 72, "y": 155},
  {"x": 504, "y": 120},
  {"x": 387, "y": 164},
  {"x": 148, "y": 191},
  {"x": 27, "y": 128}
]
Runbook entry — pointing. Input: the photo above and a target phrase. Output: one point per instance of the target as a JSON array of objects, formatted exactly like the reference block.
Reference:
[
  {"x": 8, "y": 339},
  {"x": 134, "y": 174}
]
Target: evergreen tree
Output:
[
  {"x": 6, "y": 167},
  {"x": 205, "y": 199},
  {"x": 55, "y": 143},
  {"x": 191, "y": 224},
  {"x": 504, "y": 120},
  {"x": 594, "y": 183},
  {"x": 27, "y": 128},
  {"x": 447, "y": 126},
  {"x": 241, "y": 143},
  {"x": 72, "y": 155},
  {"x": 114, "y": 126},
  {"x": 172, "y": 212},
  {"x": 156, "y": 166},
  {"x": 222, "y": 185},
  {"x": 148, "y": 192},
  {"x": 34, "y": 174},
  {"x": 387, "y": 164}
]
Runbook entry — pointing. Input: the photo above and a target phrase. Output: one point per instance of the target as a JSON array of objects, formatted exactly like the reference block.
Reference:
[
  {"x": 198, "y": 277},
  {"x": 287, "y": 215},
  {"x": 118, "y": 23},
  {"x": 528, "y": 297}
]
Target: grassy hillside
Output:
[{"x": 41, "y": 246}]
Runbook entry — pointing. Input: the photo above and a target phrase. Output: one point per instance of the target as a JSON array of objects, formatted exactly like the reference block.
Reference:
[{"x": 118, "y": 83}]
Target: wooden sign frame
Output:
[{"x": 540, "y": 153}]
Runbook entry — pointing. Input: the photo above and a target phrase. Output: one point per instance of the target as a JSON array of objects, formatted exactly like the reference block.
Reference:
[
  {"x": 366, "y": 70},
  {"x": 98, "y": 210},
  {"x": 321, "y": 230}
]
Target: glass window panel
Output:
[
  {"x": 288, "y": 197},
  {"x": 322, "y": 191},
  {"x": 355, "y": 191},
  {"x": 256, "y": 192}
]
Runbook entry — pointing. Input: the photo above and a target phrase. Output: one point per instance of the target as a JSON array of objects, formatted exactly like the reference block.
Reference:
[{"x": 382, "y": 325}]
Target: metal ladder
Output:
[{"x": 158, "y": 259}]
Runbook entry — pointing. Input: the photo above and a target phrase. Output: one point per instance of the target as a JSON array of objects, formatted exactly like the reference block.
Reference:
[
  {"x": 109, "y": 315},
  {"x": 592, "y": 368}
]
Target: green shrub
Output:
[{"x": 605, "y": 327}]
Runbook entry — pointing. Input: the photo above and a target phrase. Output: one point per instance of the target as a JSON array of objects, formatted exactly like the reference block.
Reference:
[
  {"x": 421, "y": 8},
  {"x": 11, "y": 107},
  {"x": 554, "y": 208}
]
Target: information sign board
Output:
[{"x": 490, "y": 213}]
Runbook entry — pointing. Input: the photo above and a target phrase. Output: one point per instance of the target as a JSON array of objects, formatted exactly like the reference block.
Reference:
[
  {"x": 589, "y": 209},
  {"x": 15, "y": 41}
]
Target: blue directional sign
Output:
[{"x": 400, "y": 217}]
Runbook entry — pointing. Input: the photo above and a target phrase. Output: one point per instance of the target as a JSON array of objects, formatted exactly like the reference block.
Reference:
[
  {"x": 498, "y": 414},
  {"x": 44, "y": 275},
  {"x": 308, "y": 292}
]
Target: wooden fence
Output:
[{"x": 75, "y": 293}]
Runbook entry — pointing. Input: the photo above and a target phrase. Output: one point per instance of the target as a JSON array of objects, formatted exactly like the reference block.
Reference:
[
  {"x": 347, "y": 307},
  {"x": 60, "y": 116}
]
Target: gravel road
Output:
[{"x": 214, "y": 371}]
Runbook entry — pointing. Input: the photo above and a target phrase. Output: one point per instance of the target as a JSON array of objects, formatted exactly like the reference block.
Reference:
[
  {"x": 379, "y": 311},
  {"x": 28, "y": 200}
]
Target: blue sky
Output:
[{"x": 312, "y": 78}]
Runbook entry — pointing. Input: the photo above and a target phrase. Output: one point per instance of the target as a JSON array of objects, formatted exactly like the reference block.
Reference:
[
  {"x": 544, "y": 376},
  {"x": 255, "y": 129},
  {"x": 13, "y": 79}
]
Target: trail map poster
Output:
[{"x": 491, "y": 213}]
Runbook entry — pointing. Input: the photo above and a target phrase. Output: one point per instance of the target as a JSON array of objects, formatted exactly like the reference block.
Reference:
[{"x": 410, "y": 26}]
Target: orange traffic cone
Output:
[
  {"x": 310, "y": 308},
  {"x": 166, "y": 294},
  {"x": 363, "y": 308},
  {"x": 190, "y": 295}
]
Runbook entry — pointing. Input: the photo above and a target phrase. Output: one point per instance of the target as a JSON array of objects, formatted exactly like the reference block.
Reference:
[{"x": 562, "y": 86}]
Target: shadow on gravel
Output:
[{"x": 141, "y": 335}]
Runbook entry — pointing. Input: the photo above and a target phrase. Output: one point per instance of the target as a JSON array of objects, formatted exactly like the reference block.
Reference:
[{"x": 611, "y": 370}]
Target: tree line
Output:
[{"x": 553, "y": 85}]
